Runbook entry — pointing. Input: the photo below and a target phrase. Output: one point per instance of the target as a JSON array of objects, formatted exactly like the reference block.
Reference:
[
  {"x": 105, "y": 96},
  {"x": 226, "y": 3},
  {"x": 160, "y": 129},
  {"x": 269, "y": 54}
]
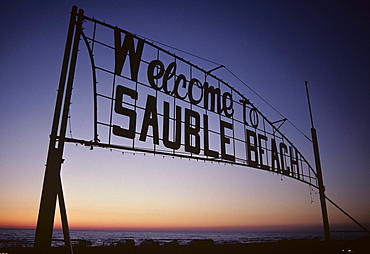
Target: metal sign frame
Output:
[{"x": 187, "y": 112}]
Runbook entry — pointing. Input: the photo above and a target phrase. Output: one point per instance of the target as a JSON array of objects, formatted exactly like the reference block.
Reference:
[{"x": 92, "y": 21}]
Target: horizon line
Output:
[{"x": 272, "y": 228}]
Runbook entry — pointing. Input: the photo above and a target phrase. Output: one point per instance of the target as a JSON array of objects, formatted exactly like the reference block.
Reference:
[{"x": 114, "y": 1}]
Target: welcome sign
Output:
[{"x": 148, "y": 99}]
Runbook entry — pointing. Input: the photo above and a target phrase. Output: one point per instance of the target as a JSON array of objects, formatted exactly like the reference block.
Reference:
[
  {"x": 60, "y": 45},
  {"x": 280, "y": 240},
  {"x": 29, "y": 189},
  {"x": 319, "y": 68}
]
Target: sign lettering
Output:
[{"x": 161, "y": 103}]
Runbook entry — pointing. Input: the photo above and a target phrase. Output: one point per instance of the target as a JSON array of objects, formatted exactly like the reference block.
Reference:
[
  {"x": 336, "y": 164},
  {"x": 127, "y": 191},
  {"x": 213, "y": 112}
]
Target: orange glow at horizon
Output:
[
  {"x": 188, "y": 219},
  {"x": 100, "y": 219}
]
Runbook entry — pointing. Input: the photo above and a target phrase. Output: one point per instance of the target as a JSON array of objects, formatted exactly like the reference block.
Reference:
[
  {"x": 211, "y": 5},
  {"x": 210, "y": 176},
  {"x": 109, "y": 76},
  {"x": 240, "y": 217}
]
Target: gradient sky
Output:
[{"x": 273, "y": 46}]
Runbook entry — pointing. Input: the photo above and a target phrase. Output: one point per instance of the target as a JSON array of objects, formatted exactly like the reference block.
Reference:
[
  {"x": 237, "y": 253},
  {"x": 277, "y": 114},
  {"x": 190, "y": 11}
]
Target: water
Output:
[{"x": 25, "y": 237}]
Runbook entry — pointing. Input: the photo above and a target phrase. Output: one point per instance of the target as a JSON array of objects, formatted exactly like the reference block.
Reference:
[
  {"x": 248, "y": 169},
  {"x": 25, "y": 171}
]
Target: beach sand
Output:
[{"x": 360, "y": 245}]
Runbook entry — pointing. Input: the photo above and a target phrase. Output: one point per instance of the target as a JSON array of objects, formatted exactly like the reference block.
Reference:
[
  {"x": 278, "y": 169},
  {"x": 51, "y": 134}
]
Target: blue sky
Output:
[{"x": 272, "y": 46}]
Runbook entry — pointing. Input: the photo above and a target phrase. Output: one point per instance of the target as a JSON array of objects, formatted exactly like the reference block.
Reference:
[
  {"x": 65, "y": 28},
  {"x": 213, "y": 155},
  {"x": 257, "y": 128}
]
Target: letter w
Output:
[{"x": 127, "y": 48}]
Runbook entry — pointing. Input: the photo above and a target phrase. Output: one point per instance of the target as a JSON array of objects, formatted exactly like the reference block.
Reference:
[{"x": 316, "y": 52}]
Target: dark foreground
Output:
[{"x": 361, "y": 245}]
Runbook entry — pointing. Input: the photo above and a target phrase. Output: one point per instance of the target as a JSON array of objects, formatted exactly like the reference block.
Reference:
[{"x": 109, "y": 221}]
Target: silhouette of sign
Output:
[{"x": 147, "y": 99}]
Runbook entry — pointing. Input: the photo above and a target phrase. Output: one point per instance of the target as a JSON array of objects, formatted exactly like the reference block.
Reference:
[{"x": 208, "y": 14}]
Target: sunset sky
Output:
[{"x": 273, "y": 46}]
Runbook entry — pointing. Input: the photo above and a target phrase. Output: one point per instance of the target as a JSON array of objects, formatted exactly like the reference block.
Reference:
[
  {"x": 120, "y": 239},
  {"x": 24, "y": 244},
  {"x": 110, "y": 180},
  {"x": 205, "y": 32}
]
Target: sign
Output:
[{"x": 147, "y": 99}]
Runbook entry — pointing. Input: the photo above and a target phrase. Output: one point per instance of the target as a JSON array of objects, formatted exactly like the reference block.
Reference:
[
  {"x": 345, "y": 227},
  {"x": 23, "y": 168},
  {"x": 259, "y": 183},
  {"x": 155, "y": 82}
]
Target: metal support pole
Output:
[
  {"x": 321, "y": 185},
  {"x": 52, "y": 187},
  {"x": 319, "y": 173},
  {"x": 63, "y": 215}
]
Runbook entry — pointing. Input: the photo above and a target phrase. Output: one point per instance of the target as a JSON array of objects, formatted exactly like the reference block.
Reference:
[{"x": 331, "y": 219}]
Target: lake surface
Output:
[{"x": 25, "y": 237}]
